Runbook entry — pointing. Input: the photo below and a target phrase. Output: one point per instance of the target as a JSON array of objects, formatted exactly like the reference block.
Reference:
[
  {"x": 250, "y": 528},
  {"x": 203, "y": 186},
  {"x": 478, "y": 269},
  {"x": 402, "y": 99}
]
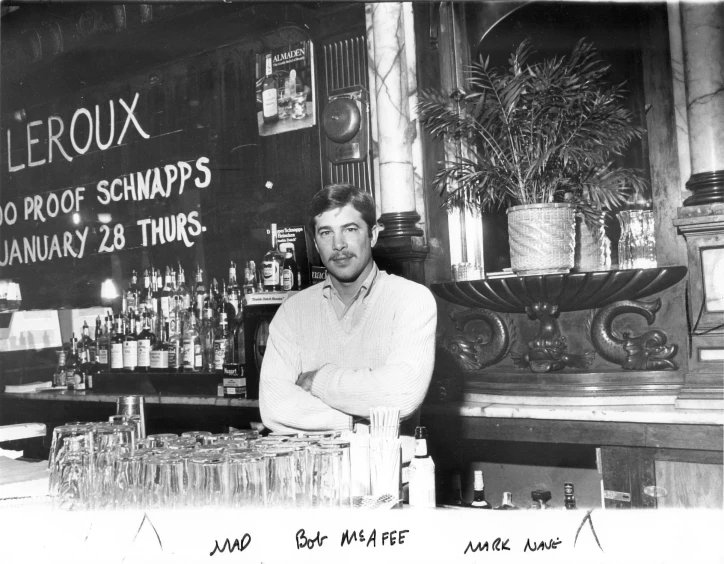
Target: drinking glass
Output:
[
  {"x": 163, "y": 482},
  {"x": 299, "y": 105},
  {"x": 181, "y": 443},
  {"x": 197, "y": 435},
  {"x": 247, "y": 479},
  {"x": 128, "y": 480},
  {"x": 346, "y": 467},
  {"x": 64, "y": 434},
  {"x": 161, "y": 439},
  {"x": 72, "y": 485},
  {"x": 102, "y": 487},
  {"x": 280, "y": 477},
  {"x": 325, "y": 480},
  {"x": 636, "y": 245},
  {"x": 284, "y": 99},
  {"x": 208, "y": 480},
  {"x": 302, "y": 465}
]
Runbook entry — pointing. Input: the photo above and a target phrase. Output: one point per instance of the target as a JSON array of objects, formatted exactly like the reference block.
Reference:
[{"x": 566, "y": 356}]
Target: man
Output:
[{"x": 361, "y": 339}]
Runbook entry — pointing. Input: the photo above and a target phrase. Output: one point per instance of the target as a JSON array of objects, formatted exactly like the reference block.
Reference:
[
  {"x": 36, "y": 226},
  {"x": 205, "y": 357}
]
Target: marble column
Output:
[
  {"x": 397, "y": 150},
  {"x": 703, "y": 42},
  {"x": 396, "y": 132}
]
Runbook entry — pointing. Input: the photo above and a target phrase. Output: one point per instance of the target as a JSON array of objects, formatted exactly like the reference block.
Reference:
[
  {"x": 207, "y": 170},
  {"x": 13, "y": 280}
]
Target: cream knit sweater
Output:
[{"x": 386, "y": 360}]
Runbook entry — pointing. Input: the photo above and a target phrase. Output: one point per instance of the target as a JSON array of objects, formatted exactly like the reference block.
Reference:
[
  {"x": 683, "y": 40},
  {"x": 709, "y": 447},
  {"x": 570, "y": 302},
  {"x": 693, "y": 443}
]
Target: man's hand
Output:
[{"x": 306, "y": 379}]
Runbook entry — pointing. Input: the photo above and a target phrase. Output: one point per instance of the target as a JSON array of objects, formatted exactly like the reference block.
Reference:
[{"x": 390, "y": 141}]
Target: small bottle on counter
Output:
[
  {"x": 540, "y": 499},
  {"x": 422, "y": 473},
  {"x": 59, "y": 375},
  {"x": 507, "y": 502},
  {"x": 456, "y": 493},
  {"x": 569, "y": 498},
  {"x": 479, "y": 501}
]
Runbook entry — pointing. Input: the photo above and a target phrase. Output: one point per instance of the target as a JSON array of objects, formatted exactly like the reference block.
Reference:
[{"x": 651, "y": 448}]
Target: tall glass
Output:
[
  {"x": 247, "y": 480},
  {"x": 163, "y": 482},
  {"x": 128, "y": 480},
  {"x": 208, "y": 480},
  {"x": 325, "y": 485},
  {"x": 281, "y": 483}
]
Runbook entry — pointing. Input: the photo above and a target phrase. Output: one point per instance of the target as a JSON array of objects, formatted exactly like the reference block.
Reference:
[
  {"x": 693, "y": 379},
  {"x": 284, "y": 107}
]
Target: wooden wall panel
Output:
[{"x": 690, "y": 485}]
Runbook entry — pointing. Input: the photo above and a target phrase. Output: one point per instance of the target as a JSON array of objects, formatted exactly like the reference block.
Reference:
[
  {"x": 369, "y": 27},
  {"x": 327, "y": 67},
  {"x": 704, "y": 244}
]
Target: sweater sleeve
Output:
[
  {"x": 285, "y": 406},
  {"x": 402, "y": 381}
]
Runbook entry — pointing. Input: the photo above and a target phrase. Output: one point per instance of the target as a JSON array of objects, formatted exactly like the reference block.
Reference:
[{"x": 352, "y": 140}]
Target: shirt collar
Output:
[{"x": 366, "y": 286}]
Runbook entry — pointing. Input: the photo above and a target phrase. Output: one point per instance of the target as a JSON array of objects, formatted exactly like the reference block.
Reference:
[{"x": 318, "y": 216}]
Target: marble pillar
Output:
[
  {"x": 703, "y": 42},
  {"x": 396, "y": 145},
  {"x": 391, "y": 65}
]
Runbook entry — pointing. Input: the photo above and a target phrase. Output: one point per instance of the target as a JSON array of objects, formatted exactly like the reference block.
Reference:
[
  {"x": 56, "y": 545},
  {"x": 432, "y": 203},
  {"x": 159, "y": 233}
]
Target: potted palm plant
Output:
[{"x": 539, "y": 139}]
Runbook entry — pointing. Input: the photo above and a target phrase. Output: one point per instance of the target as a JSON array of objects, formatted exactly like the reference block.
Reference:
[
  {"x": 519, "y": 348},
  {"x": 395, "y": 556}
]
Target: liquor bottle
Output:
[
  {"x": 175, "y": 350},
  {"x": 200, "y": 293},
  {"x": 144, "y": 298},
  {"x": 569, "y": 498},
  {"x": 160, "y": 351},
  {"x": 250, "y": 281},
  {"x": 479, "y": 501},
  {"x": 422, "y": 473},
  {"x": 116, "y": 348},
  {"x": 233, "y": 292},
  {"x": 182, "y": 295},
  {"x": 77, "y": 381},
  {"x": 206, "y": 336},
  {"x": 165, "y": 297},
  {"x": 71, "y": 359},
  {"x": 507, "y": 502},
  {"x": 290, "y": 272},
  {"x": 132, "y": 293},
  {"x": 272, "y": 265},
  {"x": 95, "y": 352},
  {"x": 104, "y": 346},
  {"x": 213, "y": 297},
  {"x": 270, "y": 109},
  {"x": 146, "y": 340},
  {"x": 540, "y": 499},
  {"x": 192, "y": 358},
  {"x": 456, "y": 493},
  {"x": 223, "y": 344},
  {"x": 130, "y": 346},
  {"x": 92, "y": 369},
  {"x": 59, "y": 375},
  {"x": 85, "y": 339}
]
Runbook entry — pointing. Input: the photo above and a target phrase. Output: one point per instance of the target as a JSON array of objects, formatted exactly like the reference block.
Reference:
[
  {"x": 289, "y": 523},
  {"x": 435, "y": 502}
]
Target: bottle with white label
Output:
[
  {"x": 223, "y": 344},
  {"x": 191, "y": 355},
  {"x": 422, "y": 473},
  {"x": 159, "y": 352},
  {"x": 130, "y": 346},
  {"x": 269, "y": 101},
  {"x": 116, "y": 347},
  {"x": 146, "y": 339},
  {"x": 271, "y": 266}
]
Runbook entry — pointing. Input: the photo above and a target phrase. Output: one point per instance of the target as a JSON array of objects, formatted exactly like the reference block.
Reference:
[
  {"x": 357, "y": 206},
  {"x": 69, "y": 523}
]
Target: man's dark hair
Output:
[{"x": 336, "y": 196}]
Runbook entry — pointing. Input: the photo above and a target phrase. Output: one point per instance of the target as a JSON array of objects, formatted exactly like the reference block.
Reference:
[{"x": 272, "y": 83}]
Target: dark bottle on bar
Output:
[
  {"x": 71, "y": 361},
  {"x": 507, "y": 502},
  {"x": 569, "y": 498},
  {"x": 290, "y": 272},
  {"x": 77, "y": 381},
  {"x": 175, "y": 350},
  {"x": 540, "y": 499},
  {"x": 223, "y": 344},
  {"x": 479, "y": 501},
  {"x": 269, "y": 102},
  {"x": 104, "y": 346},
  {"x": 165, "y": 297},
  {"x": 146, "y": 340},
  {"x": 92, "y": 369},
  {"x": 116, "y": 348},
  {"x": 456, "y": 488},
  {"x": 59, "y": 377},
  {"x": 130, "y": 346},
  {"x": 160, "y": 352},
  {"x": 250, "y": 278},
  {"x": 206, "y": 336},
  {"x": 95, "y": 351},
  {"x": 144, "y": 298}
]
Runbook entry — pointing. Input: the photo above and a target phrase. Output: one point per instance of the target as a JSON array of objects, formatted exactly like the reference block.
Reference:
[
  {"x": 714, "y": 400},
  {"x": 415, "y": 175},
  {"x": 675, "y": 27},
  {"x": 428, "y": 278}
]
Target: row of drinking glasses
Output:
[{"x": 103, "y": 466}]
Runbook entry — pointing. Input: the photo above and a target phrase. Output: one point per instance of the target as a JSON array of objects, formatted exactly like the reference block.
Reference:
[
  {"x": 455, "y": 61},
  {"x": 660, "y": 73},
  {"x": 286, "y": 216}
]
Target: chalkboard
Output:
[{"x": 153, "y": 168}]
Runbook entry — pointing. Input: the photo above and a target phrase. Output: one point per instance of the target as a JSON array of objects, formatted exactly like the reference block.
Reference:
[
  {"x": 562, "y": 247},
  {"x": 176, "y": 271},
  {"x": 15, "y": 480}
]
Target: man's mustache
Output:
[{"x": 342, "y": 256}]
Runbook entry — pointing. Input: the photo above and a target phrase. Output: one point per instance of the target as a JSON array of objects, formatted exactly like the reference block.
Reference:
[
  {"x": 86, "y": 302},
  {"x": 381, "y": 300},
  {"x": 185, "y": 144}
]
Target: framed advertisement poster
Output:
[{"x": 285, "y": 90}]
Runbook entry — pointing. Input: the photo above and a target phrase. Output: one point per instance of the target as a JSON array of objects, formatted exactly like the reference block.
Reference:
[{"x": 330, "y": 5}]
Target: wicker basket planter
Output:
[{"x": 542, "y": 238}]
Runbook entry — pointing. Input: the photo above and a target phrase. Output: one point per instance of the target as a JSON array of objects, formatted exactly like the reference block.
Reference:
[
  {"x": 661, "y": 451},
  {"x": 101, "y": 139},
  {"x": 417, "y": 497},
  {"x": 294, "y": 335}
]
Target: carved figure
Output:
[
  {"x": 645, "y": 352},
  {"x": 549, "y": 350},
  {"x": 471, "y": 350}
]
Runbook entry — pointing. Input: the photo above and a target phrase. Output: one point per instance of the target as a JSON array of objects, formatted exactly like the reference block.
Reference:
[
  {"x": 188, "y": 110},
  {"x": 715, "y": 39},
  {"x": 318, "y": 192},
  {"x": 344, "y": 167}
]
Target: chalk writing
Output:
[{"x": 239, "y": 544}]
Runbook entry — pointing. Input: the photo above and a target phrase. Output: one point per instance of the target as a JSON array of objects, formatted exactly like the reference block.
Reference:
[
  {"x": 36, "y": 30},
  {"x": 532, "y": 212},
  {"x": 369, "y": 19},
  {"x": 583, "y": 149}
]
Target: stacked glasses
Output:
[{"x": 105, "y": 466}]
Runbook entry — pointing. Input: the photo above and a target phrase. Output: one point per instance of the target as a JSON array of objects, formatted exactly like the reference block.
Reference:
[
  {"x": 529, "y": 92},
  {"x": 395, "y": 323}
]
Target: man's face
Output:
[{"x": 344, "y": 243}]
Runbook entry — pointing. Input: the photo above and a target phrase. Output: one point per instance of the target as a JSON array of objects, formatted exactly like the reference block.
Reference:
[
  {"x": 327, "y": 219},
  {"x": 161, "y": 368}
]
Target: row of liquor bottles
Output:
[
  {"x": 128, "y": 343},
  {"x": 539, "y": 498},
  {"x": 164, "y": 296}
]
